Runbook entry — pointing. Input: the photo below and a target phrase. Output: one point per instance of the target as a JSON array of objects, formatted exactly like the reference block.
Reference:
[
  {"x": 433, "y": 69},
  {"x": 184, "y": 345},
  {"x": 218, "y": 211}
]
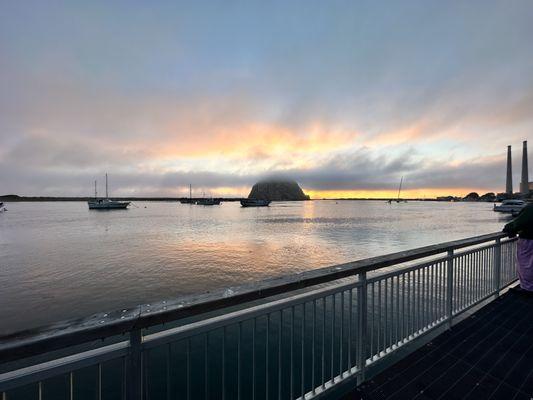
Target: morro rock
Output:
[{"x": 277, "y": 190}]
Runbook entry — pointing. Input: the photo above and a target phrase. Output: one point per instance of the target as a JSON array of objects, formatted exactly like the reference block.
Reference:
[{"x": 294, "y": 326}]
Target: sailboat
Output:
[
  {"x": 207, "y": 201},
  {"x": 189, "y": 200},
  {"x": 106, "y": 203},
  {"x": 398, "y": 200}
]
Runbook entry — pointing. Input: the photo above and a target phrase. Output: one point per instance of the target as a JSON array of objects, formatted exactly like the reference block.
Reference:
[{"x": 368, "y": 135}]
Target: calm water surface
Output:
[{"x": 60, "y": 260}]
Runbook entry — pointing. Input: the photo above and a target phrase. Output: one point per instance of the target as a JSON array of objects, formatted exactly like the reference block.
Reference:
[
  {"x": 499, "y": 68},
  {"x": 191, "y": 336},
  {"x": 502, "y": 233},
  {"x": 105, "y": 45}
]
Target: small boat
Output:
[
  {"x": 106, "y": 203},
  {"x": 189, "y": 200},
  {"x": 255, "y": 203},
  {"x": 208, "y": 202},
  {"x": 398, "y": 200},
  {"x": 510, "y": 206},
  {"x": 2, "y": 207}
]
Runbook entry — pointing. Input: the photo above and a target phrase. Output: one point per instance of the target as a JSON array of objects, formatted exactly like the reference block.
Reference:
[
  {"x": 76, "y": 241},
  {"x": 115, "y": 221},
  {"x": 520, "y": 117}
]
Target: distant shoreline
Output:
[{"x": 16, "y": 198}]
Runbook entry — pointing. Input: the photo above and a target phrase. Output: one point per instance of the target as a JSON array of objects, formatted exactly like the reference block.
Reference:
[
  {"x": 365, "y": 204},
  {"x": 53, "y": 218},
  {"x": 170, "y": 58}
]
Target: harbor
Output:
[{"x": 274, "y": 200}]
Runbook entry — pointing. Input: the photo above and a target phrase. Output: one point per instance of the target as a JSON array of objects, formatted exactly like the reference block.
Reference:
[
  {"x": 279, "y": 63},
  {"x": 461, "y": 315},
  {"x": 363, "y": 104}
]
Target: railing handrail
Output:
[{"x": 78, "y": 331}]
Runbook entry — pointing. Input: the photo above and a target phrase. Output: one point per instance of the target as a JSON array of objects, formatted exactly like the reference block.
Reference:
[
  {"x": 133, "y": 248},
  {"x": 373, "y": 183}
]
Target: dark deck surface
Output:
[{"x": 487, "y": 356}]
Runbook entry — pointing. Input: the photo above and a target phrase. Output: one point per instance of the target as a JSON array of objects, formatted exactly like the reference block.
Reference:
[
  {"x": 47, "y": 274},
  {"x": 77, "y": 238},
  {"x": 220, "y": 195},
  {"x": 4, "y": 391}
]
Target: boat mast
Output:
[
  {"x": 95, "y": 192},
  {"x": 400, "y": 189},
  {"x": 190, "y": 191},
  {"x": 106, "y": 196}
]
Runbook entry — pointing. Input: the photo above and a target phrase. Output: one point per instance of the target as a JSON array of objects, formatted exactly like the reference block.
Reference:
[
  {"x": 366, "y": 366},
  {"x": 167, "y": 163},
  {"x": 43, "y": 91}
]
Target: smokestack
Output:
[
  {"x": 524, "y": 186},
  {"x": 509, "y": 182}
]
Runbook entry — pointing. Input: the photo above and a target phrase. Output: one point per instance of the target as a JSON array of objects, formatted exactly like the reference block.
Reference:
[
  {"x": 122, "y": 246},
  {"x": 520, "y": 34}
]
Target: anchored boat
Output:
[
  {"x": 208, "y": 202},
  {"x": 106, "y": 203},
  {"x": 254, "y": 203},
  {"x": 510, "y": 206},
  {"x": 189, "y": 200}
]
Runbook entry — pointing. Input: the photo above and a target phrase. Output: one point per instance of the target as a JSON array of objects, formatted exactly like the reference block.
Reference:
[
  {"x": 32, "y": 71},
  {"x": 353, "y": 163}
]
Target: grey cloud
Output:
[{"x": 359, "y": 170}]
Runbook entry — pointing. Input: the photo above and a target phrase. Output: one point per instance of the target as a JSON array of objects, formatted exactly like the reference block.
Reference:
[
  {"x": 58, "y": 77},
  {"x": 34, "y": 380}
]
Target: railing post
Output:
[
  {"x": 134, "y": 367},
  {"x": 361, "y": 329},
  {"x": 449, "y": 288},
  {"x": 497, "y": 267}
]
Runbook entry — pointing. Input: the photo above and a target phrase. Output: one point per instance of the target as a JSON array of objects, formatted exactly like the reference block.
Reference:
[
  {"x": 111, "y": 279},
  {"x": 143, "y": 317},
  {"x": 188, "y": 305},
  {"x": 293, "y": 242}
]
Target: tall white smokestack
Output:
[
  {"x": 509, "y": 181},
  {"x": 524, "y": 185}
]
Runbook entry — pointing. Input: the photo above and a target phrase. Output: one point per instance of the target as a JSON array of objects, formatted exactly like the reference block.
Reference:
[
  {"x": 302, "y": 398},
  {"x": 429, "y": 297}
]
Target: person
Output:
[{"x": 522, "y": 226}]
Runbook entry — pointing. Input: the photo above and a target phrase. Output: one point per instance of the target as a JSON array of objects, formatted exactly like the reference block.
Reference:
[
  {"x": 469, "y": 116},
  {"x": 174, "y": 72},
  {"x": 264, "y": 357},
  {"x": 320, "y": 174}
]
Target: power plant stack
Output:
[
  {"x": 509, "y": 181},
  {"x": 524, "y": 185}
]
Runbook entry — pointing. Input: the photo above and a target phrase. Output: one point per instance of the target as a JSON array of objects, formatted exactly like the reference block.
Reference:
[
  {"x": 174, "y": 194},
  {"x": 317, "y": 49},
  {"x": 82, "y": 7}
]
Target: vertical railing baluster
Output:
[
  {"x": 169, "y": 375},
  {"x": 333, "y": 337},
  {"x": 398, "y": 319},
  {"x": 391, "y": 336},
  {"x": 350, "y": 302},
  {"x": 302, "y": 382},
  {"x": 280, "y": 342},
  {"x": 224, "y": 363},
  {"x": 433, "y": 295},
  {"x": 409, "y": 305},
  {"x": 206, "y": 365},
  {"x": 313, "y": 344},
  {"x": 362, "y": 331},
  {"x": 379, "y": 324},
  {"x": 430, "y": 295},
  {"x": 418, "y": 301},
  {"x": 267, "y": 355},
  {"x": 134, "y": 367},
  {"x": 403, "y": 330},
  {"x": 99, "y": 394},
  {"x": 424, "y": 297},
  {"x": 497, "y": 267},
  {"x": 292, "y": 354},
  {"x": 323, "y": 343},
  {"x": 71, "y": 385},
  {"x": 239, "y": 379},
  {"x": 461, "y": 272},
  {"x": 472, "y": 278},
  {"x": 254, "y": 329},
  {"x": 439, "y": 291},
  {"x": 372, "y": 325},
  {"x": 477, "y": 277},
  {"x": 386, "y": 319},
  {"x": 449, "y": 287},
  {"x": 341, "y": 369},
  {"x": 188, "y": 369},
  {"x": 485, "y": 265}
]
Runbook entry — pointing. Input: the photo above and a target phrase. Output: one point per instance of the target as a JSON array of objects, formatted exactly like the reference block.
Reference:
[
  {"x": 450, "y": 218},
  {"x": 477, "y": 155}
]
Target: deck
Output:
[{"x": 487, "y": 356}]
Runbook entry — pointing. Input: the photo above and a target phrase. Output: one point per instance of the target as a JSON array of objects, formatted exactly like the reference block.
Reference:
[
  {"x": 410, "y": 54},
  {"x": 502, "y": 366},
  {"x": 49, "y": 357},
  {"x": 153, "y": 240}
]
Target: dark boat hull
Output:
[{"x": 255, "y": 203}]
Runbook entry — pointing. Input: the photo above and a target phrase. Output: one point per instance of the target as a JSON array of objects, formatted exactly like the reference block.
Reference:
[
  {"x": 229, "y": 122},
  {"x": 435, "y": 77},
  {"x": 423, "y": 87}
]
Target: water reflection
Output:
[{"x": 58, "y": 260}]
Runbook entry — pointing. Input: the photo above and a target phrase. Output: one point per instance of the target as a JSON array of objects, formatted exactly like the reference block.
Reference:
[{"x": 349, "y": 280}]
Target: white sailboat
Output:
[
  {"x": 398, "y": 200},
  {"x": 106, "y": 203}
]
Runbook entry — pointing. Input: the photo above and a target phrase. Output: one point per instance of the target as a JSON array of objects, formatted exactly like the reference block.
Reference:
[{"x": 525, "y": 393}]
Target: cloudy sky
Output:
[{"x": 344, "y": 96}]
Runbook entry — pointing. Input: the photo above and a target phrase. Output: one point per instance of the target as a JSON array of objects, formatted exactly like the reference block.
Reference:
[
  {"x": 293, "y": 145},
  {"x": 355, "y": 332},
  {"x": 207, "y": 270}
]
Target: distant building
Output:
[
  {"x": 509, "y": 181},
  {"x": 525, "y": 184}
]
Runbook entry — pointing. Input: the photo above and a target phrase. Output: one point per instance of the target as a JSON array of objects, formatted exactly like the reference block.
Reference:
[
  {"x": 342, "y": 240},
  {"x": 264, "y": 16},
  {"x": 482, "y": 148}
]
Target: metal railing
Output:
[{"x": 295, "y": 337}]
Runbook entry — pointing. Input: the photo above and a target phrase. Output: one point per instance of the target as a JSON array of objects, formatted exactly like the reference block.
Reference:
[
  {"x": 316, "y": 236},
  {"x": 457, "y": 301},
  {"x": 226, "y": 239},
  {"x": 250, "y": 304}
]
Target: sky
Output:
[{"x": 345, "y": 97}]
